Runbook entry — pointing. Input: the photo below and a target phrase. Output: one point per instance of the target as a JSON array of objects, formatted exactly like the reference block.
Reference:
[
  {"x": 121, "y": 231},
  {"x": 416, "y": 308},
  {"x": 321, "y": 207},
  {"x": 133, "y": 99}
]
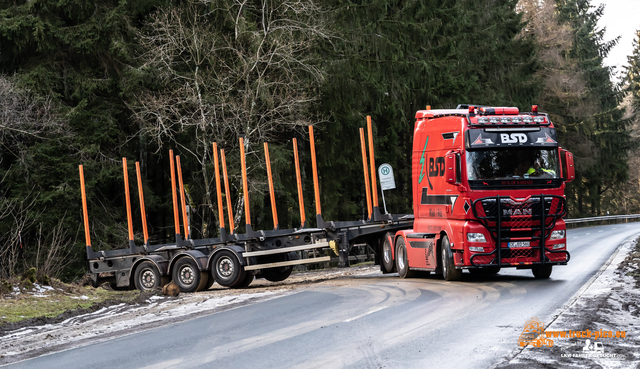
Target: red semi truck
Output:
[
  {"x": 482, "y": 177},
  {"x": 488, "y": 193}
]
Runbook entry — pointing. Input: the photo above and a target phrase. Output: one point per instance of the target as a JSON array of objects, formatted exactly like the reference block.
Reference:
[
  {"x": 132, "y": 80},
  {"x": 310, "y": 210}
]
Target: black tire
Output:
[
  {"x": 226, "y": 269},
  {"x": 210, "y": 282},
  {"x": 449, "y": 271},
  {"x": 187, "y": 276},
  {"x": 542, "y": 271},
  {"x": 278, "y": 274},
  {"x": 246, "y": 282},
  {"x": 387, "y": 255},
  {"x": 485, "y": 271},
  {"x": 402, "y": 262},
  {"x": 146, "y": 276}
]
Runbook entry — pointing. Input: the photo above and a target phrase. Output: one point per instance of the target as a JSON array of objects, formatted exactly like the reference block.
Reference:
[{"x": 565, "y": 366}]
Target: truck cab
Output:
[{"x": 488, "y": 193}]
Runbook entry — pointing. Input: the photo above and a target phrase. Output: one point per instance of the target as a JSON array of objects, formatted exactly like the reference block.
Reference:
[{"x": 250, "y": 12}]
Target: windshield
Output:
[{"x": 512, "y": 164}]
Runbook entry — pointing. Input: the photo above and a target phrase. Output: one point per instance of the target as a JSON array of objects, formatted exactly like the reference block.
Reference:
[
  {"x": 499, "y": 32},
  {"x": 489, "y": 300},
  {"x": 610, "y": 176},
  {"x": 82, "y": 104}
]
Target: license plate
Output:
[{"x": 519, "y": 244}]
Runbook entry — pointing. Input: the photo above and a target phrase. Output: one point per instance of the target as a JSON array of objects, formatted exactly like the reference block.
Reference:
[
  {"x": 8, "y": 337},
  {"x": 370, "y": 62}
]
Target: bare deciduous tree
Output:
[{"x": 229, "y": 69}]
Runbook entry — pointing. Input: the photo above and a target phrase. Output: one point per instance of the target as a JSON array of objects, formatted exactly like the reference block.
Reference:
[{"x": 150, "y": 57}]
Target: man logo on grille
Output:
[{"x": 510, "y": 212}]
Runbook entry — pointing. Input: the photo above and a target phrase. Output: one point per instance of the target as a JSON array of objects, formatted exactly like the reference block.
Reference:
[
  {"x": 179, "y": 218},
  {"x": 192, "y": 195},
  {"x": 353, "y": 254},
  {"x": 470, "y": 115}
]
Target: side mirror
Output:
[
  {"x": 451, "y": 167},
  {"x": 569, "y": 168}
]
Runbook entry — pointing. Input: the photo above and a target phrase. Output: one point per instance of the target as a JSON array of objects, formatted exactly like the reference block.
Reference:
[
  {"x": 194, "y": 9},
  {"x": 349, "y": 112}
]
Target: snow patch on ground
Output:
[
  {"x": 610, "y": 303},
  {"x": 117, "y": 319}
]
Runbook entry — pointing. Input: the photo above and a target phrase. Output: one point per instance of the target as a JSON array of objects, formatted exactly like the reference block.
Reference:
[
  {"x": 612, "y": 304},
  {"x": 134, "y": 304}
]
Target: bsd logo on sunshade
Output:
[{"x": 513, "y": 138}]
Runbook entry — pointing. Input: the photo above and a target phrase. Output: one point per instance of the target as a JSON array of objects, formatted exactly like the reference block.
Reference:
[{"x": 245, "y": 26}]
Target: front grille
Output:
[{"x": 511, "y": 219}]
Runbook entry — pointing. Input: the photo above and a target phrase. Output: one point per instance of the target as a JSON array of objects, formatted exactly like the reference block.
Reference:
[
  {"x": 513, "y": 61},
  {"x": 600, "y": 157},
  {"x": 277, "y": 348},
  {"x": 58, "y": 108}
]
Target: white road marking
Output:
[
  {"x": 365, "y": 314},
  {"x": 599, "y": 231}
]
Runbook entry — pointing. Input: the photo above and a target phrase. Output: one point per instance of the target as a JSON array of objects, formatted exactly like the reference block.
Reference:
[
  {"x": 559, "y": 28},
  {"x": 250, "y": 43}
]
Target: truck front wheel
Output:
[
  {"x": 542, "y": 271},
  {"x": 402, "y": 261},
  {"x": 146, "y": 276},
  {"x": 187, "y": 275},
  {"x": 226, "y": 269},
  {"x": 449, "y": 271}
]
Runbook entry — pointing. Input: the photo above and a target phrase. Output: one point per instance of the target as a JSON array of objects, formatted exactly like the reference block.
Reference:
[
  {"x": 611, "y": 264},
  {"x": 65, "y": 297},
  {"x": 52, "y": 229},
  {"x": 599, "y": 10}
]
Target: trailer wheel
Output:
[
  {"x": 449, "y": 271},
  {"x": 402, "y": 262},
  {"x": 277, "y": 274},
  {"x": 542, "y": 271},
  {"x": 246, "y": 282},
  {"x": 387, "y": 256},
  {"x": 210, "y": 282},
  {"x": 226, "y": 269},
  {"x": 146, "y": 276},
  {"x": 187, "y": 275}
]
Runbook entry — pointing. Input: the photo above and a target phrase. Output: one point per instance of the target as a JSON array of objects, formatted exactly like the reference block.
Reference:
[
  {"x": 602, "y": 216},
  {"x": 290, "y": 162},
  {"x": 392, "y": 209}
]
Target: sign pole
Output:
[{"x": 384, "y": 202}]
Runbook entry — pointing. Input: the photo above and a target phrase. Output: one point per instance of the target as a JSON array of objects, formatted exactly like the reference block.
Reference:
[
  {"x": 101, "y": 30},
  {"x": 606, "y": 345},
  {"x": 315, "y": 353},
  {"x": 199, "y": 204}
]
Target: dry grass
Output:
[{"x": 25, "y": 300}]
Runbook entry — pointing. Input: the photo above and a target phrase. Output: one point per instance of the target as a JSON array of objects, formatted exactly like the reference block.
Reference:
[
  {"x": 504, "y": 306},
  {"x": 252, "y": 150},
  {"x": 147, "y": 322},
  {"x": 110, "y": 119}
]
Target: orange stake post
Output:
[
  {"x": 314, "y": 166},
  {"x": 127, "y": 198},
  {"x": 185, "y": 220},
  {"x": 87, "y": 237},
  {"x": 299, "y": 181},
  {"x": 218, "y": 189},
  {"x": 245, "y": 189},
  {"x": 365, "y": 168},
  {"x": 176, "y": 216},
  {"x": 226, "y": 192},
  {"x": 142, "y": 210},
  {"x": 274, "y": 211},
  {"x": 372, "y": 162}
]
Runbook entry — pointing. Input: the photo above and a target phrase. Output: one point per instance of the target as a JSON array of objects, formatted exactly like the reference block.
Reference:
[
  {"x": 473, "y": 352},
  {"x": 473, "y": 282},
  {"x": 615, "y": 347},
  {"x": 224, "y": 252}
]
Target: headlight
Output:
[
  {"x": 476, "y": 249},
  {"x": 556, "y": 235},
  {"x": 476, "y": 237},
  {"x": 558, "y": 246}
]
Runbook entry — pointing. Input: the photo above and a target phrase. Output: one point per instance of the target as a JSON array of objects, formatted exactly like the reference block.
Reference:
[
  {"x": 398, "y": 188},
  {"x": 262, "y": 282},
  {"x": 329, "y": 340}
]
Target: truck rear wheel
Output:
[
  {"x": 187, "y": 275},
  {"x": 146, "y": 276},
  {"x": 226, "y": 269},
  {"x": 449, "y": 271},
  {"x": 387, "y": 255},
  {"x": 402, "y": 262},
  {"x": 542, "y": 271}
]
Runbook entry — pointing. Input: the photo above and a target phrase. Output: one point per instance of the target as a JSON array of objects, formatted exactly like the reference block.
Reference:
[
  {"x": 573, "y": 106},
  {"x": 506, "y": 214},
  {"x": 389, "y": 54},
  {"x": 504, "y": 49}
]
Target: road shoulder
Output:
[{"x": 608, "y": 305}]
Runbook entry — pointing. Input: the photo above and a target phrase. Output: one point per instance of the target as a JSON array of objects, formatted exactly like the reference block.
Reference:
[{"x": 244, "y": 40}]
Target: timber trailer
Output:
[{"x": 233, "y": 260}]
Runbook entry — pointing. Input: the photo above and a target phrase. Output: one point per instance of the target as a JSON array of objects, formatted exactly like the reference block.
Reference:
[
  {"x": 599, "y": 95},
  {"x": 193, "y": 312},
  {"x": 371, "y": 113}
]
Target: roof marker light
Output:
[
  {"x": 494, "y": 120},
  {"x": 505, "y": 120},
  {"x": 428, "y": 107},
  {"x": 516, "y": 120},
  {"x": 483, "y": 120},
  {"x": 527, "y": 119},
  {"x": 472, "y": 110},
  {"x": 534, "y": 109},
  {"x": 538, "y": 119}
]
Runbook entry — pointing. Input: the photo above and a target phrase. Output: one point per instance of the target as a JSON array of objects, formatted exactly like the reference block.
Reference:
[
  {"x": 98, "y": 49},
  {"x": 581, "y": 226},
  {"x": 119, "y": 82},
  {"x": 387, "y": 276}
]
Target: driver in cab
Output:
[{"x": 525, "y": 170}]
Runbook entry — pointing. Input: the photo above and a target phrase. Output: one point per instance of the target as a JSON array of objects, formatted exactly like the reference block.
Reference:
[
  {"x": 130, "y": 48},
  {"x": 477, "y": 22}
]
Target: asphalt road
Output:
[{"x": 378, "y": 321}]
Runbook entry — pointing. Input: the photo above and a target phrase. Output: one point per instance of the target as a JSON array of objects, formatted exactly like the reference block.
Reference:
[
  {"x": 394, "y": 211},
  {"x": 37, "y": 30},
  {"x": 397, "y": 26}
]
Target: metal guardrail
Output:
[{"x": 602, "y": 219}]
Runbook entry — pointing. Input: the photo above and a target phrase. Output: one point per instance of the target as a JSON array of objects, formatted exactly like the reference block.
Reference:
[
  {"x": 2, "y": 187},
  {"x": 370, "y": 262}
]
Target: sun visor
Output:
[{"x": 514, "y": 137}]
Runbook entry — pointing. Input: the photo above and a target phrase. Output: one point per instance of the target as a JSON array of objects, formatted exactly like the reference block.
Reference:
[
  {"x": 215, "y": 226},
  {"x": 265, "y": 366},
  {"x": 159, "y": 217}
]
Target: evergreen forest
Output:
[{"x": 90, "y": 82}]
